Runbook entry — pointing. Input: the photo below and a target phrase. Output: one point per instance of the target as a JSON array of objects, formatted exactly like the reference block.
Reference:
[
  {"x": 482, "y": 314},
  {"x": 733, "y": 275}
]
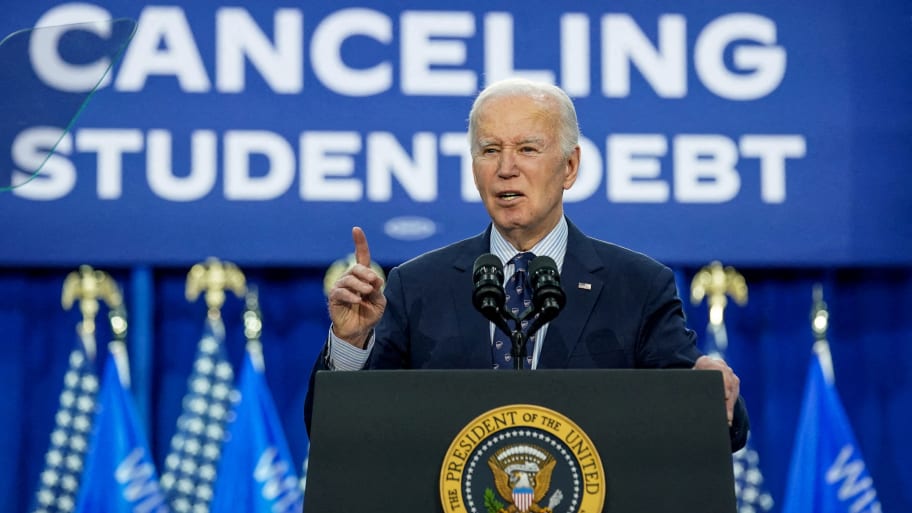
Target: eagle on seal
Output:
[{"x": 529, "y": 475}]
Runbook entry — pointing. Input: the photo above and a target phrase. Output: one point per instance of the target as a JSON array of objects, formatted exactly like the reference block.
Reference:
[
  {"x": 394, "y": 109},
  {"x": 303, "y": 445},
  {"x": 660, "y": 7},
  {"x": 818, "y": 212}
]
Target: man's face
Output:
[{"x": 520, "y": 170}]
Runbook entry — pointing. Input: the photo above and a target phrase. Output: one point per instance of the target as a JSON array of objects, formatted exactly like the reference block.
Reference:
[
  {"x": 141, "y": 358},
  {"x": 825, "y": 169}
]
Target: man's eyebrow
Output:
[
  {"x": 526, "y": 140},
  {"x": 497, "y": 142}
]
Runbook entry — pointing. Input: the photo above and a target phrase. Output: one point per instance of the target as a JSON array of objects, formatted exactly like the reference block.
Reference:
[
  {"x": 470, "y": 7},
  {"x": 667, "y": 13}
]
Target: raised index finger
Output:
[{"x": 362, "y": 251}]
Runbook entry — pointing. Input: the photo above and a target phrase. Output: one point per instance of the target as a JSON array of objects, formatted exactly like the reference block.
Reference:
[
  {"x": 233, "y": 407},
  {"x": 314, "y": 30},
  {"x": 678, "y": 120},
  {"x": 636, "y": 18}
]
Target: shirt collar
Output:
[{"x": 554, "y": 245}]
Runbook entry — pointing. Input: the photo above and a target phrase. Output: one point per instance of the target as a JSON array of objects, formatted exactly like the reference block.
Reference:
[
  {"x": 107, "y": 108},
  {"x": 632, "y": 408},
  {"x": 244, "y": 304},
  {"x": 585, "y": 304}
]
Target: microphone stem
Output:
[{"x": 518, "y": 340}]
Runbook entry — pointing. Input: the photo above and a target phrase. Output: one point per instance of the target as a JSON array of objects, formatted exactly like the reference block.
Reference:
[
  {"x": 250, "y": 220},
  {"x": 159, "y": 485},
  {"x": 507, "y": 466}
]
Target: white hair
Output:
[{"x": 568, "y": 128}]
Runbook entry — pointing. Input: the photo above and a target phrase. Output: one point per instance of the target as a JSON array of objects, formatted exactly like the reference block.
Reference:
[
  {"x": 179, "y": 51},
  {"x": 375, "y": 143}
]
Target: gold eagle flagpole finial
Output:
[
  {"x": 716, "y": 283},
  {"x": 87, "y": 286},
  {"x": 214, "y": 277}
]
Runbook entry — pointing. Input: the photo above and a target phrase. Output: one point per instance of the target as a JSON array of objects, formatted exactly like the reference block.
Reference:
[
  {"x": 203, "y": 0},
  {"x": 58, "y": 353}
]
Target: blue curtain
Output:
[{"x": 769, "y": 346}]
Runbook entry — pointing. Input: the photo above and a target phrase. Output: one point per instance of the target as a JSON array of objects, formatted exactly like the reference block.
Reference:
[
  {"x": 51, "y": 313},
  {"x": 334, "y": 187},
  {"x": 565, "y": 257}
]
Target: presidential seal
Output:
[{"x": 522, "y": 458}]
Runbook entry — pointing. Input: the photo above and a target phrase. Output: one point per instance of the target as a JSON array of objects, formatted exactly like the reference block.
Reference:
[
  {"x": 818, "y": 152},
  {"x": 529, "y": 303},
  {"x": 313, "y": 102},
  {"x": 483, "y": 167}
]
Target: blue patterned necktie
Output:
[{"x": 519, "y": 297}]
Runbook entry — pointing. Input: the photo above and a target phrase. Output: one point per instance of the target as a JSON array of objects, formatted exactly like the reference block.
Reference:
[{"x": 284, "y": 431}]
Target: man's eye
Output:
[{"x": 489, "y": 151}]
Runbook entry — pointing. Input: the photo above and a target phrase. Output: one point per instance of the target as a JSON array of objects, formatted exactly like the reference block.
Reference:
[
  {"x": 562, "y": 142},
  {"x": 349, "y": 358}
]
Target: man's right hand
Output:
[{"x": 356, "y": 301}]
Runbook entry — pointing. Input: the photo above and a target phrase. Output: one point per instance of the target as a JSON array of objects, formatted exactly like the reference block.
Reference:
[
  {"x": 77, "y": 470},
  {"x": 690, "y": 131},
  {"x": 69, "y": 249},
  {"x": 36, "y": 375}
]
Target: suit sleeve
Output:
[
  {"x": 319, "y": 365},
  {"x": 391, "y": 345},
  {"x": 664, "y": 339},
  {"x": 390, "y": 341},
  {"x": 666, "y": 342},
  {"x": 740, "y": 427}
]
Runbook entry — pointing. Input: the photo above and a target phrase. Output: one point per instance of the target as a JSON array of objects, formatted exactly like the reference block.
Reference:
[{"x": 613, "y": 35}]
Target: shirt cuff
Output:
[{"x": 340, "y": 355}]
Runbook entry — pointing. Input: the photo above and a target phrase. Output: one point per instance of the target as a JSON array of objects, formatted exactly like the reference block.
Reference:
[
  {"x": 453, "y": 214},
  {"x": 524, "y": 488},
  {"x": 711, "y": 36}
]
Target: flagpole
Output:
[
  {"x": 256, "y": 473},
  {"x": 141, "y": 339},
  {"x": 117, "y": 347},
  {"x": 820, "y": 321},
  {"x": 717, "y": 283},
  {"x": 69, "y": 441},
  {"x": 119, "y": 473},
  {"x": 196, "y": 446},
  {"x": 827, "y": 472},
  {"x": 253, "y": 327}
]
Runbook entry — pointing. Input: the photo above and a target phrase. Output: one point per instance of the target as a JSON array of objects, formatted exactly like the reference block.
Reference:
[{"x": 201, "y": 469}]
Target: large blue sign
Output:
[{"x": 767, "y": 133}]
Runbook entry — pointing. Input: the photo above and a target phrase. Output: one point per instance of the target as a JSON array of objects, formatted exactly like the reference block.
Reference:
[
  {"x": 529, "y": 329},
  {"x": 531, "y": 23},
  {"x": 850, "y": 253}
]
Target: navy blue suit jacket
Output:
[{"x": 622, "y": 311}]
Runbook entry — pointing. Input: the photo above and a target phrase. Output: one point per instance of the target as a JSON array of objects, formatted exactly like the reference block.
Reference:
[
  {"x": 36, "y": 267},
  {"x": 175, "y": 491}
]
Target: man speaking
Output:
[{"x": 621, "y": 307}]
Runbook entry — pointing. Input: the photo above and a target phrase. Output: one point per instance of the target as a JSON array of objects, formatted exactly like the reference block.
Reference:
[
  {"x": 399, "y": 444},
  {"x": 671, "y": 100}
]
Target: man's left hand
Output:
[{"x": 730, "y": 380}]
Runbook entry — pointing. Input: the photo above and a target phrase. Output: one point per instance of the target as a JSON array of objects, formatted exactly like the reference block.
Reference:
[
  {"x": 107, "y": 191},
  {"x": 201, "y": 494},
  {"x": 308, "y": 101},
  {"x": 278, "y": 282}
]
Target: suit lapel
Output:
[
  {"x": 474, "y": 329},
  {"x": 578, "y": 278},
  {"x": 582, "y": 287}
]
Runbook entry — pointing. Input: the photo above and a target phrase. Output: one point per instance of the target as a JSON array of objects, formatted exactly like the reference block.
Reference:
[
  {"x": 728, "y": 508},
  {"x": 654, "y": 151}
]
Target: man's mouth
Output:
[{"x": 509, "y": 195}]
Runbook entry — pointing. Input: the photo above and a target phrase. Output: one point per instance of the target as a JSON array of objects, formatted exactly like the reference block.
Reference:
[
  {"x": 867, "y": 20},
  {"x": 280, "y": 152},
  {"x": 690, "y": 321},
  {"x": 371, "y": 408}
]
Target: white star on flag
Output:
[
  {"x": 59, "y": 481},
  {"x": 196, "y": 446}
]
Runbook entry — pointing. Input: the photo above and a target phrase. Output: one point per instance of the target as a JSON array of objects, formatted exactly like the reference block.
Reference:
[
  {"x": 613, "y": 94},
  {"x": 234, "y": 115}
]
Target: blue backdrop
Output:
[
  {"x": 774, "y": 132},
  {"x": 774, "y": 136}
]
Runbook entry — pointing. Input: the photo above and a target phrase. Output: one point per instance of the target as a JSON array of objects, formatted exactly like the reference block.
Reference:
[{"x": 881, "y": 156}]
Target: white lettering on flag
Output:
[
  {"x": 278, "y": 484},
  {"x": 862, "y": 490},
  {"x": 141, "y": 488}
]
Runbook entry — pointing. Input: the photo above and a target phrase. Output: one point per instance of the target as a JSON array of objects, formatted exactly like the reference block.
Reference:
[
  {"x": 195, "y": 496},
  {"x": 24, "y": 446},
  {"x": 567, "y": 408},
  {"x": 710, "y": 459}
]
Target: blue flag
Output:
[
  {"x": 65, "y": 458},
  {"x": 192, "y": 462},
  {"x": 257, "y": 474},
  {"x": 750, "y": 490},
  {"x": 827, "y": 473},
  {"x": 119, "y": 475}
]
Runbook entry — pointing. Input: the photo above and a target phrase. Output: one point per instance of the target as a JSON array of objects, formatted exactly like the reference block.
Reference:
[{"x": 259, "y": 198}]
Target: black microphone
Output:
[
  {"x": 548, "y": 297},
  {"x": 487, "y": 292}
]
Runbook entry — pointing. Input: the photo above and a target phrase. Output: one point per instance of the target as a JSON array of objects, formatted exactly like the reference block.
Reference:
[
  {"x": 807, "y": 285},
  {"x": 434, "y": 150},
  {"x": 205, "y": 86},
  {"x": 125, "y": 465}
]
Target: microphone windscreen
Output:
[
  {"x": 543, "y": 262},
  {"x": 487, "y": 260}
]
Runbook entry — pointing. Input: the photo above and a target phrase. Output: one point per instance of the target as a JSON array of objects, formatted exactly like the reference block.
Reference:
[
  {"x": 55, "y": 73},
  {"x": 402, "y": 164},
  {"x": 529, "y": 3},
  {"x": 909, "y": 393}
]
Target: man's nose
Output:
[{"x": 507, "y": 167}]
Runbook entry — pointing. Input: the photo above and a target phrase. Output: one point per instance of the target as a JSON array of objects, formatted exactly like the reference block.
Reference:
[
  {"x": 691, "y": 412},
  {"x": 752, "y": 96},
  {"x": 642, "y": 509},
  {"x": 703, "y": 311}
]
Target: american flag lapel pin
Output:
[{"x": 585, "y": 286}]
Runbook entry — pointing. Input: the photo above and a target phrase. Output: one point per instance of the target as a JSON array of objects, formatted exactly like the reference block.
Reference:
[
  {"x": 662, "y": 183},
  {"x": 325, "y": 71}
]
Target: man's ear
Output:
[{"x": 572, "y": 167}]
